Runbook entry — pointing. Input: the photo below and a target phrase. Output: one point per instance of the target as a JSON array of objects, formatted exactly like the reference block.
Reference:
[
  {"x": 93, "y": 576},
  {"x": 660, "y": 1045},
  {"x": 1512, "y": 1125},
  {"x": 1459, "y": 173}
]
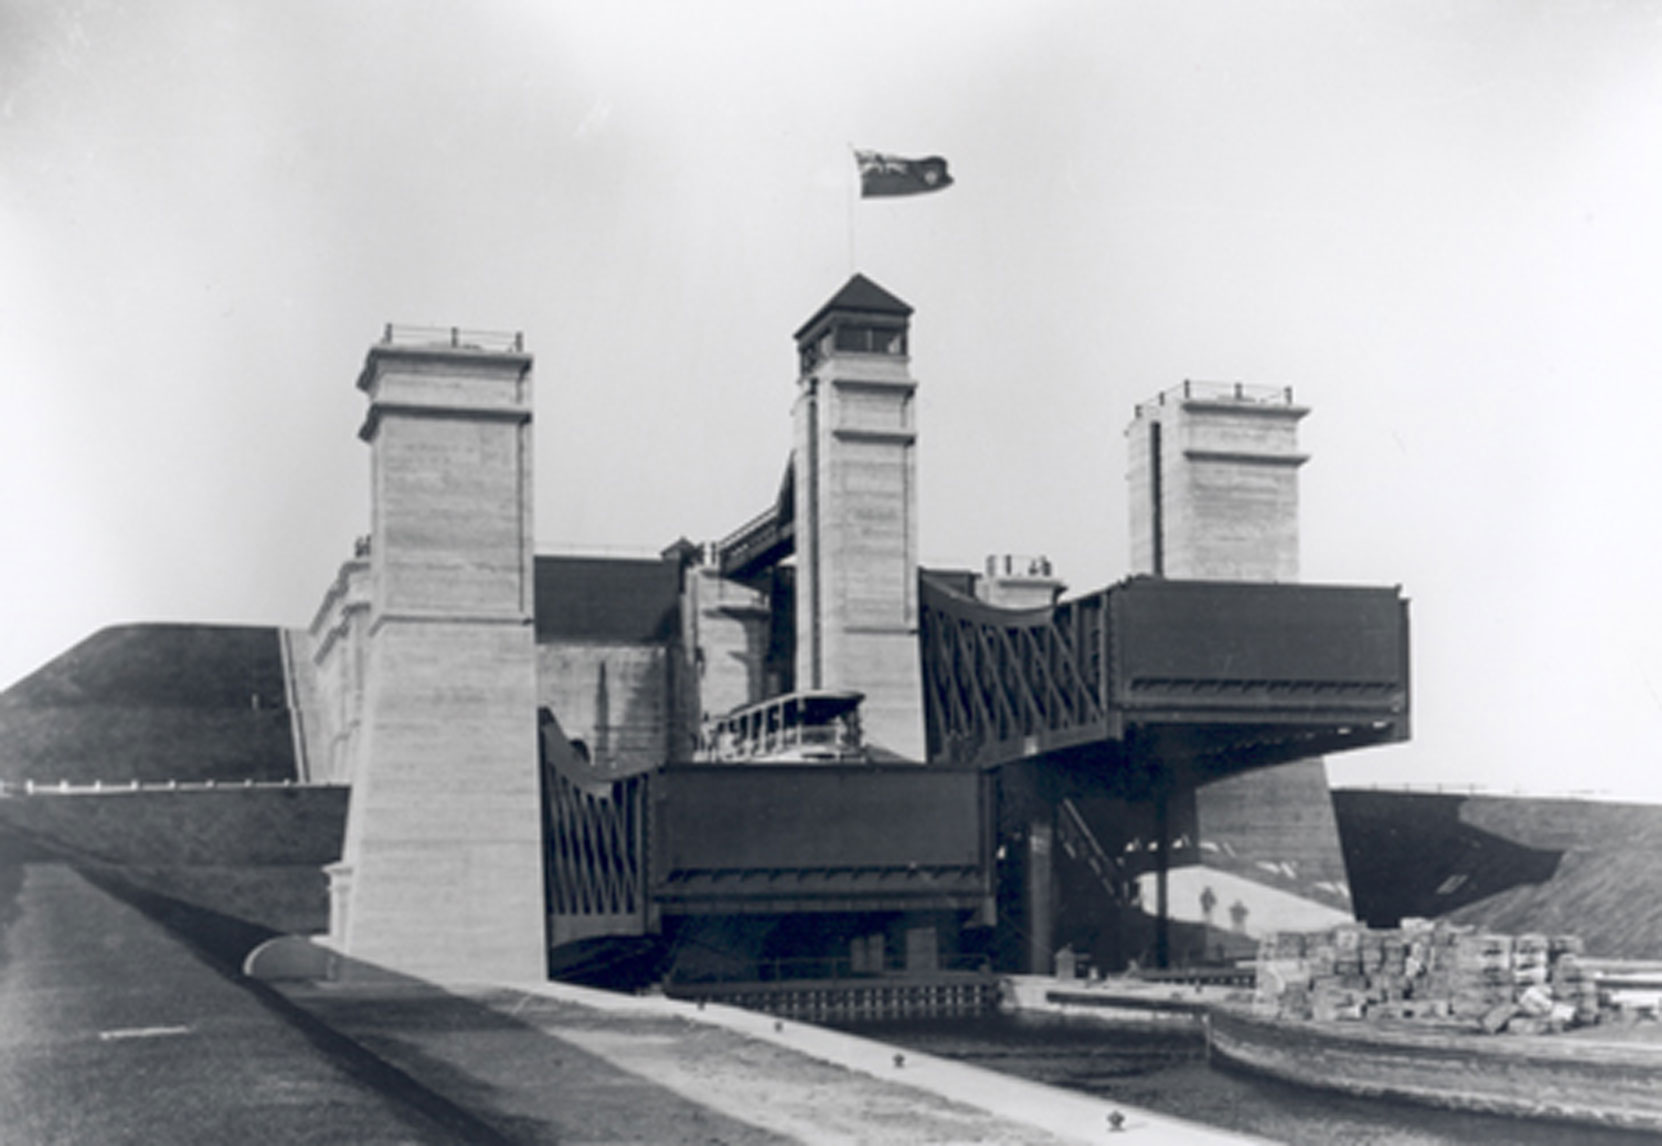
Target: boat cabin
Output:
[{"x": 798, "y": 727}]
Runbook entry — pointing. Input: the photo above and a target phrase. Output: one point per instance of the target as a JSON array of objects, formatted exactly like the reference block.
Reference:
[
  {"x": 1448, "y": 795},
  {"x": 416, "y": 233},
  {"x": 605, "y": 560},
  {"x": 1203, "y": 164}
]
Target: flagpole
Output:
[{"x": 853, "y": 199}]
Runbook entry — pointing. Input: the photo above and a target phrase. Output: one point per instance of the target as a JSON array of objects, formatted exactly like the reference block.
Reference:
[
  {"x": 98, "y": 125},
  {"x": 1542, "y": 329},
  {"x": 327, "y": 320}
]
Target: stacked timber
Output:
[
  {"x": 1283, "y": 976},
  {"x": 1572, "y": 981},
  {"x": 1482, "y": 975},
  {"x": 1528, "y": 984}
]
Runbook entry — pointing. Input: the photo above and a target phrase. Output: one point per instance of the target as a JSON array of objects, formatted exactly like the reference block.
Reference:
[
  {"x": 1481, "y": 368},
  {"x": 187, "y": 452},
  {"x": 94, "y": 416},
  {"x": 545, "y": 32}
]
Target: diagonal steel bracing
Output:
[{"x": 1218, "y": 665}]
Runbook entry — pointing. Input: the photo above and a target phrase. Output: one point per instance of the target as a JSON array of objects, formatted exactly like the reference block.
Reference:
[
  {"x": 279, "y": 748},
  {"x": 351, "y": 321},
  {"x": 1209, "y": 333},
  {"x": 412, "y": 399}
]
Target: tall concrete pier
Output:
[
  {"x": 1212, "y": 479},
  {"x": 856, "y": 511},
  {"x": 441, "y": 874},
  {"x": 1213, "y": 483}
]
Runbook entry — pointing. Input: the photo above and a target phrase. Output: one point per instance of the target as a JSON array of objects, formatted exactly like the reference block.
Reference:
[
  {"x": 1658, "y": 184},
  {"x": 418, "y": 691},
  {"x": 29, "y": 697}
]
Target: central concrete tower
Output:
[
  {"x": 856, "y": 512},
  {"x": 441, "y": 874}
]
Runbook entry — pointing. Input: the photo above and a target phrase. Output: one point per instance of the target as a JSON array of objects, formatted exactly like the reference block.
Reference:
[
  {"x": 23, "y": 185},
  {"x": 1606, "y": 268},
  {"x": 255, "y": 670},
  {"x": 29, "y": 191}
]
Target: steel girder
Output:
[{"x": 1220, "y": 671}]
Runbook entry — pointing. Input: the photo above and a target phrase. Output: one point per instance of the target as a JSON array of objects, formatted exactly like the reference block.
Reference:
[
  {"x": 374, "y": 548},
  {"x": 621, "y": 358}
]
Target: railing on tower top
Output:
[
  {"x": 1195, "y": 390},
  {"x": 454, "y": 338}
]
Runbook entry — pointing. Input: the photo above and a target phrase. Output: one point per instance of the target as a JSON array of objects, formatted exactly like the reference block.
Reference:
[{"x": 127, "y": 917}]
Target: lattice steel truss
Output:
[
  {"x": 596, "y": 848},
  {"x": 1233, "y": 673},
  {"x": 994, "y": 678}
]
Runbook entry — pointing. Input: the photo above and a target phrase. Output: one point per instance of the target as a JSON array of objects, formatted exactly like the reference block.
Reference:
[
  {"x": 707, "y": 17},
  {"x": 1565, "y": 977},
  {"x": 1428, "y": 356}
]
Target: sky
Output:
[{"x": 1436, "y": 221}]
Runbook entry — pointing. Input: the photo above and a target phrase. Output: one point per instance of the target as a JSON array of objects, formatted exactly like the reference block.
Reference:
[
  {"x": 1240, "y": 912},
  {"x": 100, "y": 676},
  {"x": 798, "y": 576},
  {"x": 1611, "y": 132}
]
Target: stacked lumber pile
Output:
[{"x": 1527, "y": 984}]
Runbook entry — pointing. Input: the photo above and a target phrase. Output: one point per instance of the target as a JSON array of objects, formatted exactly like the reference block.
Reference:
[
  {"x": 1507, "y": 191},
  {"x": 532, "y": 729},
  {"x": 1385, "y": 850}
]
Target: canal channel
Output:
[{"x": 1167, "y": 1071}]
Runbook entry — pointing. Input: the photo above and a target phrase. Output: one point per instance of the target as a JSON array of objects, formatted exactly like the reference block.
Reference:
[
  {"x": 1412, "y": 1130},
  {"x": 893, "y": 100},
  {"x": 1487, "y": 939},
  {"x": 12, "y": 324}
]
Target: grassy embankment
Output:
[{"x": 172, "y": 703}]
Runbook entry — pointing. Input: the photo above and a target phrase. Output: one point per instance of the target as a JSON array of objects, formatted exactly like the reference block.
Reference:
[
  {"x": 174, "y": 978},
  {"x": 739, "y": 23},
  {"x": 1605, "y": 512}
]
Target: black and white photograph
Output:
[{"x": 1016, "y": 572}]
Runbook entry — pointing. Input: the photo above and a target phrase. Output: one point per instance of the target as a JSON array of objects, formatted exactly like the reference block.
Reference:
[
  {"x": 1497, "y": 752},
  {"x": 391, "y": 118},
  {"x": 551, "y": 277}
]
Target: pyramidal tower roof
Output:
[{"x": 859, "y": 294}]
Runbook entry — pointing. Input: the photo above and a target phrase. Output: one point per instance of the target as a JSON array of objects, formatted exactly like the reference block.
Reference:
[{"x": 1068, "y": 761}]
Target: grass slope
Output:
[
  {"x": 1606, "y": 888},
  {"x": 152, "y": 703},
  {"x": 1509, "y": 863}
]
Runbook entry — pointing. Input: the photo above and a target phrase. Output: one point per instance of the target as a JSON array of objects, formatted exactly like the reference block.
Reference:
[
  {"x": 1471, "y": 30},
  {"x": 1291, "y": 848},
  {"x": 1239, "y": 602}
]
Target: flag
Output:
[{"x": 891, "y": 175}]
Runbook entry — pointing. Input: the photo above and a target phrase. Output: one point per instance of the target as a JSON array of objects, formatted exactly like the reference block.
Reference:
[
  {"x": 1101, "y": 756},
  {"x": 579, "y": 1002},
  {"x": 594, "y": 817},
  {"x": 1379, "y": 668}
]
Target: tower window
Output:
[{"x": 863, "y": 339}]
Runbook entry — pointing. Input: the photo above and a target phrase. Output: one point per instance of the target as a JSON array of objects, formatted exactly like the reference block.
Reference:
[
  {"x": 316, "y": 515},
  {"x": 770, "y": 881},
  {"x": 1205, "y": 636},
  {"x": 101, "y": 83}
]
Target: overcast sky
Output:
[{"x": 1438, "y": 222}]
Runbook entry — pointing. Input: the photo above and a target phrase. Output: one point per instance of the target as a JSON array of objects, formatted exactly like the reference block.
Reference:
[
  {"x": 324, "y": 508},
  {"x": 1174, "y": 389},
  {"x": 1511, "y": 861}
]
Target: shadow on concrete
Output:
[{"x": 1414, "y": 855}]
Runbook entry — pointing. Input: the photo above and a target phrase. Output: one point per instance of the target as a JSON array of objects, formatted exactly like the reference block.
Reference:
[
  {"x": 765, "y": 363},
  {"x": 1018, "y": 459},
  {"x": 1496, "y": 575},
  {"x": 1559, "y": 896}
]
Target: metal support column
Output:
[
  {"x": 1041, "y": 915},
  {"x": 1162, "y": 865}
]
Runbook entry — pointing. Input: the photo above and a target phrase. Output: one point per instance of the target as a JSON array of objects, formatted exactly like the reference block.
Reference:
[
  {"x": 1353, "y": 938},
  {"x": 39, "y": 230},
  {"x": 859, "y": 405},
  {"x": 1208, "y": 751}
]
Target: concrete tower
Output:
[
  {"x": 856, "y": 512},
  {"x": 1213, "y": 483},
  {"x": 1213, "y": 474},
  {"x": 441, "y": 874}
]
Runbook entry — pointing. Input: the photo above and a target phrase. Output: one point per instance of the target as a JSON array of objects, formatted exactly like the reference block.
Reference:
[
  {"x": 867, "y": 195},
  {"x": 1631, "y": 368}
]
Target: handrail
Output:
[
  {"x": 454, "y": 338},
  {"x": 727, "y": 744},
  {"x": 834, "y": 967},
  {"x": 1199, "y": 390},
  {"x": 754, "y": 538},
  {"x": 1452, "y": 788},
  {"x": 11, "y": 788},
  {"x": 1072, "y": 820},
  {"x": 754, "y": 525}
]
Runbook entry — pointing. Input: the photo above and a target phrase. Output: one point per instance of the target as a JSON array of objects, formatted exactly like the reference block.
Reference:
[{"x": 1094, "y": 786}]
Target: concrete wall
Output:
[
  {"x": 329, "y": 670},
  {"x": 311, "y": 738},
  {"x": 617, "y": 699},
  {"x": 443, "y": 859},
  {"x": 856, "y": 513},
  {"x": 227, "y": 826},
  {"x": 726, "y": 627},
  {"x": 450, "y": 535},
  {"x": 255, "y": 854},
  {"x": 1277, "y": 826}
]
